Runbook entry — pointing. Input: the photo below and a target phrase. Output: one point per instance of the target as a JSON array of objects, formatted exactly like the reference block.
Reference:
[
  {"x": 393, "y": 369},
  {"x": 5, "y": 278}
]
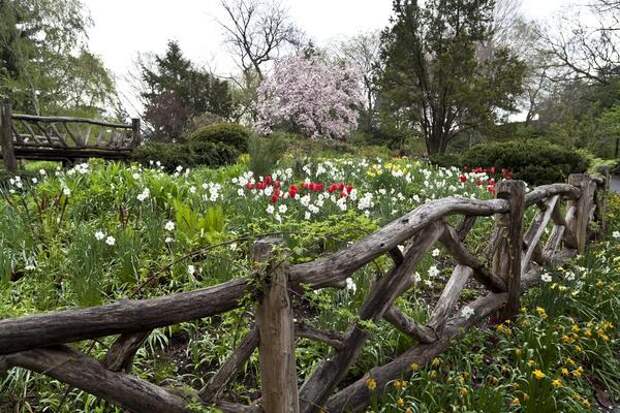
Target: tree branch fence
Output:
[
  {"x": 63, "y": 138},
  {"x": 515, "y": 253}
]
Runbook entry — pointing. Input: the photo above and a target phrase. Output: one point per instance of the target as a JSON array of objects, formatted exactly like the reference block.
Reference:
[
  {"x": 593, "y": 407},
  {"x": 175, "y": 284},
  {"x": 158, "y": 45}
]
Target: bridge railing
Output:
[{"x": 63, "y": 138}]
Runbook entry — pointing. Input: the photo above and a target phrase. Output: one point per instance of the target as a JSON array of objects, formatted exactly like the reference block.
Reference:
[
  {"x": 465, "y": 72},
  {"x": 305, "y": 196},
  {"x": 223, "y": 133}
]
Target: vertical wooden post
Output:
[
  {"x": 507, "y": 257},
  {"x": 135, "y": 132},
  {"x": 6, "y": 137},
  {"x": 274, "y": 317},
  {"x": 578, "y": 223}
]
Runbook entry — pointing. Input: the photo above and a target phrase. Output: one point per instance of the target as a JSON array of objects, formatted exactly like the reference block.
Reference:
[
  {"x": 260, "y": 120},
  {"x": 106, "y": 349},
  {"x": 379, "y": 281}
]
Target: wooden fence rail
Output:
[
  {"x": 515, "y": 257},
  {"x": 63, "y": 138}
]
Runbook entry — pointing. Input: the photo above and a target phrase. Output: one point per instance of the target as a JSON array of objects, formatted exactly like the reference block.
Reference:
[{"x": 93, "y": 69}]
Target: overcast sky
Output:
[{"x": 124, "y": 28}]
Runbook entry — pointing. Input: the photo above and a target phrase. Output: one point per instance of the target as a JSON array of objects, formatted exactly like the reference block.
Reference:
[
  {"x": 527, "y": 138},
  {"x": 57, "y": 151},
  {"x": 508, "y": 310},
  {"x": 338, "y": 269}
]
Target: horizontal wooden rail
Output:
[
  {"x": 69, "y": 119},
  {"x": 516, "y": 264}
]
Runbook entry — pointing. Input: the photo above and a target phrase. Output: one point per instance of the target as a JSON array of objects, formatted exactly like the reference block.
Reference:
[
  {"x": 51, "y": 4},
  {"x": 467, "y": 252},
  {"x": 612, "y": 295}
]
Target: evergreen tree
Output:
[
  {"x": 176, "y": 92},
  {"x": 440, "y": 72}
]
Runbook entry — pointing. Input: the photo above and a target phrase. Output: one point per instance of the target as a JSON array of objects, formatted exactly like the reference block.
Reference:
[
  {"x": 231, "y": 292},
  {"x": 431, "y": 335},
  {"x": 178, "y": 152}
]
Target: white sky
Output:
[{"x": 124, "y": 28}]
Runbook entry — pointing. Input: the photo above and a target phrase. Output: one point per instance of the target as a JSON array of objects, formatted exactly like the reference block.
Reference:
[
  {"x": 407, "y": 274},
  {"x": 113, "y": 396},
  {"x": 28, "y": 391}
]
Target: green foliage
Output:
[
  {"x": 45, "y": 64},
  {"x": 177, "y": 91},
  {"x": 265, "y": 152},
  {"x": 536, "y": 162},
  {"x": 231, "y": 134},
  {"x": 172, "y": 155},
  {"x": 450, "y": 81}
]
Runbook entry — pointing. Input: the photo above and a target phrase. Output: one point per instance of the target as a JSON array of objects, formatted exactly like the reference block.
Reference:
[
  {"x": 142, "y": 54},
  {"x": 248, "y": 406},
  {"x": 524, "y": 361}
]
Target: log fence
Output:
[
  {"x": 63, "y": 138},
  {"x": 516, "y": 258}
]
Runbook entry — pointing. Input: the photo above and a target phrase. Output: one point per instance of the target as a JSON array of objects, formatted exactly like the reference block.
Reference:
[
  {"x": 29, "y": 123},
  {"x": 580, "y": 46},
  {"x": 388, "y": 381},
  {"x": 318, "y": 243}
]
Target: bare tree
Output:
[
  {"x": 257, "y": 32},
  {"x": 363, "y": 52},
  {"x": 579, "y": 49}
]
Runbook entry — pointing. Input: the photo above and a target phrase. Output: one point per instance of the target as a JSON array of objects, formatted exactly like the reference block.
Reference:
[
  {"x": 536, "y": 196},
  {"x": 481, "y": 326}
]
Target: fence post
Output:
[
  {"x": 135, "y": 132},
  {"x": 274, "y": 317},
  {"x": 578, "y": 223},
  {"x": 507, "y": 257},
  {"x": 6, "y": 137}
]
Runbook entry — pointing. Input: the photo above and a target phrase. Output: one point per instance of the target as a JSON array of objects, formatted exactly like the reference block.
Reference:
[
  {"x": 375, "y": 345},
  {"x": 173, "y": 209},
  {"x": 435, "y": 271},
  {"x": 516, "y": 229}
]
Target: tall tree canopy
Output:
[
  {"x": 437, "y": 73},
  {"x": 176, "y": 91},
  {"x": 45, "y": 66}
]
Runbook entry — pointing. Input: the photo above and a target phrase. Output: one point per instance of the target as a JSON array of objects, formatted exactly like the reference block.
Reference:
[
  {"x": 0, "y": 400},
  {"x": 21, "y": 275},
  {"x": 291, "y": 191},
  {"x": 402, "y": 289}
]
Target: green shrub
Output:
[
  {"x": 265, "y": 152},
  {"x": 231, "y": 134},
  {"x": 212, "y": 153},
  {"x": 192, "y": 154},
  {"x": 536, "y": 162}
]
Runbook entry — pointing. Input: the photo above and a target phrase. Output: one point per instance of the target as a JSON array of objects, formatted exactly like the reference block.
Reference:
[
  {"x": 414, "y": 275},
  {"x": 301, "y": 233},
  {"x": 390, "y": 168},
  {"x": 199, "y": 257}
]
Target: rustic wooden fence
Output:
[
  {"x": 515, "y": 256},
  {"x": 62, "y": 138}
]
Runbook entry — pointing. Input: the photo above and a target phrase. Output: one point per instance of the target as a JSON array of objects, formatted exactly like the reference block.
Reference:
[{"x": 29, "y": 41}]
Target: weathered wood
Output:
[
  {"x": 465, "y": 226},
  {"x": 136, "y": 134},
  {"x": 421, "y": 333},
  {"x": 228, "y": 407},
  {"x": 507, "y": 259},
  {"x": 456, "y": 248},
  {"x": 328, "y": 374},
  {"x": 340, "y": 265},
  {"x": 449, "y": 297},
  {"x": 331, "y": 338},
  {"x": 6, "y": 138},
  {"x": 543, "y": 192},
  {"x": 274, "y": 318},
  {"x": 535, "y": 232},
  {"x": 579, "y": 225},
  {"x": 69, "y": 119},
  {"x": 120, "y": 355},
  {"x": 233, "y": 363},
  {"x": 356, "y": 396},
  {"x": 127, "y": 316},
  {"x": 83, "y": 372}
]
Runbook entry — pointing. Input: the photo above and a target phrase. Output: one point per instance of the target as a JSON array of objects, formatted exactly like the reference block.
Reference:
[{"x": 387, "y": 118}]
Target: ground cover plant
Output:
[{"x": 100, "y": 232}]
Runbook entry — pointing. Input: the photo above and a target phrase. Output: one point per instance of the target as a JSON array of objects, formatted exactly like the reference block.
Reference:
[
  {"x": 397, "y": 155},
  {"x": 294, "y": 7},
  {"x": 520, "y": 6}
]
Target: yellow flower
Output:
[
  {"x": 515, "y": 402},
  {"x": 575, "y": 328},
  {"x": 539, "y": 375},
  {"x": 399, "y": 384},
  {"x": 557, "y": 383},
  {"x": 433, "y": 374},
  {"x": 570, "y": 361},
  {"x": 371, "y": 384},
  {"x": 567, "y": 339},
  {"x": 436, "y": 362},
  {"x": 400, "y": 402},
  {"x": 564, "y": 371},
  {"x": 415, "y": 366},
  {"x": 408, "y": 410},
  {"x": 587, "y": 332},
  {"x": 463, "y": 391},
  {"x": 518, "y": 352},
  {"x": 577, "y": 372},
  {"x": 531, "y": 363},
  {"x": 541, "y": 312}
]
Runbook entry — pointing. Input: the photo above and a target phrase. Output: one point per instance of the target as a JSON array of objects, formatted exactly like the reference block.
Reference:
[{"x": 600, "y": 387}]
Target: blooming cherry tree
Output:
[{"x": 311, "y": 96}]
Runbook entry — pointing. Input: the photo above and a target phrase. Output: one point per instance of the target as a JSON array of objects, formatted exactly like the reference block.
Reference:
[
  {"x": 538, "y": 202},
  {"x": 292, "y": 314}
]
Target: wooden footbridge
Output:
[{"x": 62, "y": 138}]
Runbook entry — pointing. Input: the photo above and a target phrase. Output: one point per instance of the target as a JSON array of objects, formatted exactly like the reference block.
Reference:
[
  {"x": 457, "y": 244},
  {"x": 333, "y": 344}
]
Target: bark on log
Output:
[
  {"x": 356, "y": 397},
  {"x": 535, "y": 232},
  {"x": 421, "y": 333},
  {"x": 125, "y": 316},
  {"x": 232, "y": 364},
  {"x": 328, "y": 374},
  {"x": 121, "y": 353},
  {"x": 465, "y": 226},
  {"x": 274, "y": 318},
  {"x": 448, "y": 298},
  {"x": 507, "y": 261},
  {"x": 78, "y": 370},
  {"x": 456, "y": 248},
  {"x": 579, "y": 226},
  {"x": 331, "y": 338}
]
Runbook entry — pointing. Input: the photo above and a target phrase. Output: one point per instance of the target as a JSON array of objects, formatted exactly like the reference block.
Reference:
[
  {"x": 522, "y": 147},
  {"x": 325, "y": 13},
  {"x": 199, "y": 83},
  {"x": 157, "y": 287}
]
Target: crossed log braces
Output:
[{"x": 516, "y": 258}]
